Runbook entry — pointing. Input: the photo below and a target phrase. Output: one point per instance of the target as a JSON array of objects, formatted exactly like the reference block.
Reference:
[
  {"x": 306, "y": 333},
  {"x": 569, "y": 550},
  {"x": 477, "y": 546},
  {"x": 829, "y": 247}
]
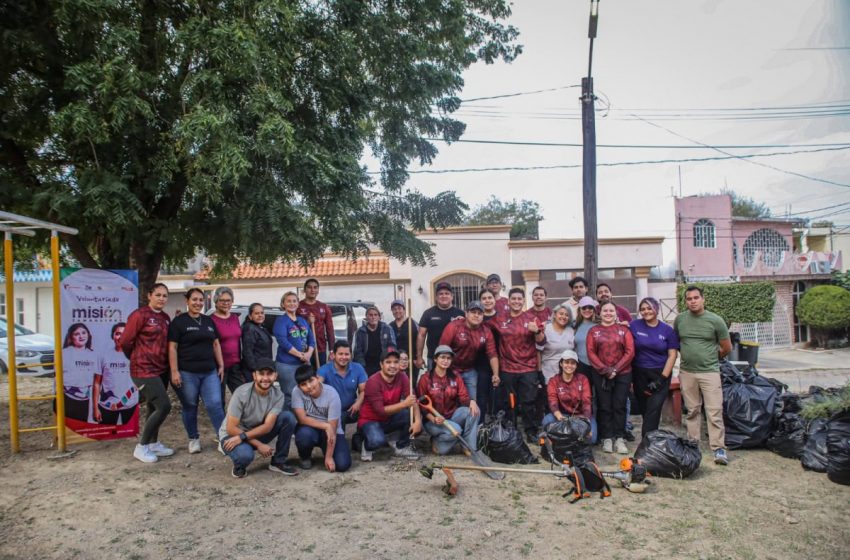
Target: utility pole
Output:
[{"x": 588, "y": 125}]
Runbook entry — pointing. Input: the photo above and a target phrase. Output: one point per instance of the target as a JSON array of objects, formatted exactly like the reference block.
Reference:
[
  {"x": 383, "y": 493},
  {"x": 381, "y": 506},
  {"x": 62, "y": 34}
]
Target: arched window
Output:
[
  {"x": 770, "y": 243},
  {"x": 704, "y": 234},
  {"x": 465, "y": 286}
]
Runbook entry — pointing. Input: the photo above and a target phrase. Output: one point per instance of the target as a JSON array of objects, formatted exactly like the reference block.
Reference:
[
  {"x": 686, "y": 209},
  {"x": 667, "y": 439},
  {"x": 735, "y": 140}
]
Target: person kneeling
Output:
[
  {"x": 255, "y": 416},
  {"x": 568, "y": 394},
  {"x": 317, "y": 408},
  {"x": 386, "y": 410},
  {"x": 450, "y": 398}
]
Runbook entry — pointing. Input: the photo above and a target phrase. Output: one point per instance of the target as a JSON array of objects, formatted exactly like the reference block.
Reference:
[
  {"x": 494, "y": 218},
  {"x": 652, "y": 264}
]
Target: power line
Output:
[
  {"x": 637, "y": 146},
  {"x": 504, "y": 95}
]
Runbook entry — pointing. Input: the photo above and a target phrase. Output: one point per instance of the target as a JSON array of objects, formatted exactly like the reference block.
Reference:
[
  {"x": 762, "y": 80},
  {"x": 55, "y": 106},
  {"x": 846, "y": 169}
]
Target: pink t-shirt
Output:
[{"x": 230, "y": 338}]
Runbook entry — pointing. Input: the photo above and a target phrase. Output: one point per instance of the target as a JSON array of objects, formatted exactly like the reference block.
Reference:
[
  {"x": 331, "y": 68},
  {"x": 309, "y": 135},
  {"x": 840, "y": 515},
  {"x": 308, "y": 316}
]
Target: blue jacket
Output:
[
  {"x": 361, "y": 341},
  {"x": 292, "y": 334}
]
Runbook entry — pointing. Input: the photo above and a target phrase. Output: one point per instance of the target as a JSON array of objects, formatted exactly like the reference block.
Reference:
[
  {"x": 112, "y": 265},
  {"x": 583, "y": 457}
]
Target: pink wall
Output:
[
  {"x": 742, "y": 229},
  {"x": 698, "y": 261}
]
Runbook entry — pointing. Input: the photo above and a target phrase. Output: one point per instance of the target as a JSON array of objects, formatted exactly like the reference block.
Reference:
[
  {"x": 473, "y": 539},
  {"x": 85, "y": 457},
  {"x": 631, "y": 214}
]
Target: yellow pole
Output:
[
  {"x": 57, "y": 340},
  {"x": 10, "y": 341},
  {"x": 410, "y": 352}
]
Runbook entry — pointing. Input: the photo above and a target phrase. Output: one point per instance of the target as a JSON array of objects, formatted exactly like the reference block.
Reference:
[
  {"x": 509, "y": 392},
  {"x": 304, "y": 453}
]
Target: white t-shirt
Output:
[
  {"x": 550, "y": 352},
  {"x": 117, "y": 389},
  {"x": 324, "y": 408},
  {"x": 79, "y": 366}
]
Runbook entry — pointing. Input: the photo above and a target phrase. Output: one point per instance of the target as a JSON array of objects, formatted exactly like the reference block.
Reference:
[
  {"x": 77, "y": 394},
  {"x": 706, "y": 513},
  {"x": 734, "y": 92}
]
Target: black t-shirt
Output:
[
  {"x": 373, "y": 350},
  {"x": 401, "y": 339},
  {"x": 194, "y": 338},
  {"x": 435, "y": 320}
]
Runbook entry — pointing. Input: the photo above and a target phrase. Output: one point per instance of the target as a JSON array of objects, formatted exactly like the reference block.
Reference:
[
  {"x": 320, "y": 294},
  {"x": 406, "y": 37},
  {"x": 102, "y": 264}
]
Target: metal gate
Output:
[
  {"x": 465, "y": 287},
  {"x": 775, "y": 334}
]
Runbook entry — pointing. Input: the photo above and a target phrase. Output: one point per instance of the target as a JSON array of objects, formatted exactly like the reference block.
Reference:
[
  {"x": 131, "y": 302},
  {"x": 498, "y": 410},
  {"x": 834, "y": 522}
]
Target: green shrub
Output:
[
  {"x": 750, "y": 302},
  {"x": 825, "y": 309},
  {"x": 827, "y": 406}
]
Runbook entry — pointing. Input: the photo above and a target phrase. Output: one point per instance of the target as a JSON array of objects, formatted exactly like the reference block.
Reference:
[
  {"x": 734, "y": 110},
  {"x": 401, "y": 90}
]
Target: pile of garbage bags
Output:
[
  {"x": 749, "y": 406},
  {"x": 500, "y": 440},
  {"x": 569, "y": 439},
  {"x": 665, "y": 454}
]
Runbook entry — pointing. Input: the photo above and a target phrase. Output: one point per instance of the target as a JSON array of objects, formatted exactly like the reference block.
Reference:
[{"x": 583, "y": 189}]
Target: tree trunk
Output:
[{"x": 148, "y": 266}]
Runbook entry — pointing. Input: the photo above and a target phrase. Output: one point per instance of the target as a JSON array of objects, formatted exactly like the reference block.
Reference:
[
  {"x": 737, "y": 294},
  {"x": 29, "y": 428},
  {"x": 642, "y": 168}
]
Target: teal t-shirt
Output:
[{"x": 699, "y": 336}]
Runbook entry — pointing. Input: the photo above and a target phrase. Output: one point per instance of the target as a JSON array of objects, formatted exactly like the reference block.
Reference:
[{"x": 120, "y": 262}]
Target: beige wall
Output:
[
  {"x": 569, "y": 253},
  {"x": 38, "y": 305}
]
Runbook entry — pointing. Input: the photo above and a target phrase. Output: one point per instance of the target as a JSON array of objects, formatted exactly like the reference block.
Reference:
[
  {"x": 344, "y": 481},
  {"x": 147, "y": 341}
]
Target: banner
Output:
[{"x": 101, "y": 401}]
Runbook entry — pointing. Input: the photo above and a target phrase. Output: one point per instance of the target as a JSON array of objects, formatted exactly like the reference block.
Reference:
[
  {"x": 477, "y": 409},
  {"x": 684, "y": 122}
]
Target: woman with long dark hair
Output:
[
  {"x": 114, "y": 394},
  {"x": 80, "y": 366},
  {"x": 256, "y": 341},
  {"x": 145, "y": 342}
]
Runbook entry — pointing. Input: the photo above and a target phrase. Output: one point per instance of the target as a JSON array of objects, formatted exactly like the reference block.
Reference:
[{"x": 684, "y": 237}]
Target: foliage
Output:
[
  {"x": 823, "y": 224},
  {"x": 744, "y": 206},
  {"x": 841, "y": 279},
  {"x": 826, "y": 406},
  {"x": 238, "y": 128},
  {"x": 750, "y": 302},
  {"x": 523, "y": 215},
  {"x": 825, "y": 309}
]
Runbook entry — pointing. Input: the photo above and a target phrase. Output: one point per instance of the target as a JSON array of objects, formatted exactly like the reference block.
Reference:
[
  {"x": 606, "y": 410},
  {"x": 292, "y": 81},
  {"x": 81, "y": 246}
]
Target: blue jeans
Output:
[
  {"x": 463, "y": 422},
  {"x": 207, "y": 386},
  {"x": 243, "y": 454},
  {"x": 594, "y": 435},
  {"x": 470, "y": 379},
  {"x": 375, "y": 433},
  {"x": 308, "y": 437},
  {"x": 286, "y": 378}
]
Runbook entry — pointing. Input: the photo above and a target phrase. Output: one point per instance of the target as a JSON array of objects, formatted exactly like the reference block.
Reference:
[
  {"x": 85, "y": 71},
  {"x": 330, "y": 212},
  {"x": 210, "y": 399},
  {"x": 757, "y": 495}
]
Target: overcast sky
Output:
[{"x": 716, "y": 72}]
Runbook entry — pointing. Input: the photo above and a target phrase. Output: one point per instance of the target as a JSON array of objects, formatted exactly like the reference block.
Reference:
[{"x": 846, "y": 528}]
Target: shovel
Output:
[{"x": 478, "y": 457}]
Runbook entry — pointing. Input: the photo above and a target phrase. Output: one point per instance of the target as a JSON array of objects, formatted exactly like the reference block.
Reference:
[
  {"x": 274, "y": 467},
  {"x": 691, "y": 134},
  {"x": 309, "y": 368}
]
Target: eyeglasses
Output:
[{"x": 227, "y": 301}]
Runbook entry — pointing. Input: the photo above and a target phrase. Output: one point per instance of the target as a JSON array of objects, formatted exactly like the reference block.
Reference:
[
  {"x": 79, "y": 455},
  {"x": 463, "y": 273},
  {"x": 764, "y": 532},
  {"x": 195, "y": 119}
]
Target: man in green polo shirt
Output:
[{"x": 704, "y": 339}]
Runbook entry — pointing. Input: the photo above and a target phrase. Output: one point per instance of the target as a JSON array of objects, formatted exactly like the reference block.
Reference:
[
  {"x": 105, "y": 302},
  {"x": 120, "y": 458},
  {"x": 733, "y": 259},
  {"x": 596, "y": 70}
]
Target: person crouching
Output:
[{"x": 317, "y": 408}]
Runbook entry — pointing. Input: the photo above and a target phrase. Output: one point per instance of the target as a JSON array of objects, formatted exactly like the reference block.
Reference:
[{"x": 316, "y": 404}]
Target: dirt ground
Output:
[{"x": 103, "y": 503}]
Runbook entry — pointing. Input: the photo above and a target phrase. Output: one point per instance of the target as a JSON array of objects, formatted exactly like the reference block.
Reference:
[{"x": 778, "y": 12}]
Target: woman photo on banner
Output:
[
  {"x": 80, "y": 367},
  {"x": 114, "y": 396}
]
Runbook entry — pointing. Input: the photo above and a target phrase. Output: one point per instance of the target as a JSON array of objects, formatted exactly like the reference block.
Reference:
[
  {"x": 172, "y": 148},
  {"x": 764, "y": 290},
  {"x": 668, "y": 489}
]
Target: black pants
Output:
[
  {"x": 524, "y": 386},
  {"x": 78, "y": 410},
  {"x": 650, "y": 406},
  {"x": 111, "y": 416},
  {"x": 611, "y": 405},
  {"x": 152, "y": 389},
  {"x": 234, "y": 377}
]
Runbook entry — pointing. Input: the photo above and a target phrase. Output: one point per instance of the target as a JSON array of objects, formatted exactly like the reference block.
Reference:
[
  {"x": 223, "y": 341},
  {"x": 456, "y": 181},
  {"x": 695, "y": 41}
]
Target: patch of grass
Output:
[
  {"x": 526, "y": 549},
  {"x": 309, "y": 548},
  {"x": 411, "y": 535}
]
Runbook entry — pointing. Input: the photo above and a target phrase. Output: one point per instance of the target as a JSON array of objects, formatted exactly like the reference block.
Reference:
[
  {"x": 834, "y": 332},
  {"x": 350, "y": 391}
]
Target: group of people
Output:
[{"x": 581, "y": 358}]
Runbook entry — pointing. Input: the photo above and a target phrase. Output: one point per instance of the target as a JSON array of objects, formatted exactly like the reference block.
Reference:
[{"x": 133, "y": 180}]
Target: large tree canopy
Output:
[
  {"x": 524, "y": 215},
  {"x": 159, "y": 128}
]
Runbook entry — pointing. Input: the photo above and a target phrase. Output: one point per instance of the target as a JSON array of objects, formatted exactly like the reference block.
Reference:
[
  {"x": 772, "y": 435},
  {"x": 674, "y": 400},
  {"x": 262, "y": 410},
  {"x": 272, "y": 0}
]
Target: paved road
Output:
[{"x": 800, "y": 368}]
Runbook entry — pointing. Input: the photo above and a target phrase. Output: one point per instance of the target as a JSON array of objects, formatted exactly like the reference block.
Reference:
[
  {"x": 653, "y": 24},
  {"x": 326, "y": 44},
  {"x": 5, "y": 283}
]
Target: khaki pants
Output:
[{"x": 699, "y": 388}]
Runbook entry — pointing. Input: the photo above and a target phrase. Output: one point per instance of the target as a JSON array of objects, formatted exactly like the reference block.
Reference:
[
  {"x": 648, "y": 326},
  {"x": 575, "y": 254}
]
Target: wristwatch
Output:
[{"x": 243, "y": 436}]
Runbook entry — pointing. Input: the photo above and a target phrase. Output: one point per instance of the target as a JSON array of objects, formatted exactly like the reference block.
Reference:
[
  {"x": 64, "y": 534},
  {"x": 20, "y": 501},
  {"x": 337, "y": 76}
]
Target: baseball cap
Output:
[
  {"x": 569, "y": 355},
  {"x": 494, "y": 277},
  {"x": 587, "y": 301},
  {"x": 442, "y": 286},
  {"x": 388, "y": 353},
  {"x": 475, "y": 304},
  {"x": 397, "y": 302},
  {"x": 265, "y": 363},
  {"x": 443, "y": 349}
]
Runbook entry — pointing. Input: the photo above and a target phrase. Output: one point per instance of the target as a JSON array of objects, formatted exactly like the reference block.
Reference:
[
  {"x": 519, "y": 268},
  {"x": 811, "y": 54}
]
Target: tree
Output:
[
  {"x": 237, "y": 128},
  {"x": 825, "y": 309},
  {"x": 523, "y": 215},
  {"x": 746, "y": 207}
]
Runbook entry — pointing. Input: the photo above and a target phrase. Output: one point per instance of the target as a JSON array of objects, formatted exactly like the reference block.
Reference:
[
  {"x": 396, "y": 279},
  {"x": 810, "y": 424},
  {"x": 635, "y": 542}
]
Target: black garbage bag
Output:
[
  {"x": 502, "y": 442},
  {"x": 570, "y": 439},
  {"x": 729, "y": 373},
  {"x": 815, "y": 454},
  {"x": 749, "y": 410},
  {"x": 789, "y": 432},
  {"x": 838, "y": 448},
  {"x": 665, "y": 454}
]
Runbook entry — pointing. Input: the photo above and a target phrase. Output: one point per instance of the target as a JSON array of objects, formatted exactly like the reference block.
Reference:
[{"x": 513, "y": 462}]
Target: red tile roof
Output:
[{"x": 366, "y": 266}]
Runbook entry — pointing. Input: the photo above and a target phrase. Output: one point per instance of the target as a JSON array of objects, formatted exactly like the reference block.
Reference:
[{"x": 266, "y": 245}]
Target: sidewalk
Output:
[{"x": 800, "y": 368}]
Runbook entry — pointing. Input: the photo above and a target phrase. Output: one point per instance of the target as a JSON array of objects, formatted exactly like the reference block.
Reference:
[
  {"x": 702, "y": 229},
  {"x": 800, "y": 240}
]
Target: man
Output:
[
  {"x": 604, "y": 295},
  {"x": 348, "y": 378},
  {"x": 386, "y": 411},
  {"x": 371, "y": 340},
  {"x": 319, "y": 317},
  {"x": 578, "y": 289},
  {"x": 539, "y": 310},
  {"x": 519, "y": 333},
  {"x": 432, "y": 323},
  {"x": 494, "y": 285},
  {"x": 255, "y": 416},
  {"x": 317, "y": 408},
  {"x": 704, "y": 339},
  {"x": 405, "y": 340},
  {"x": 467, "y": 338}
]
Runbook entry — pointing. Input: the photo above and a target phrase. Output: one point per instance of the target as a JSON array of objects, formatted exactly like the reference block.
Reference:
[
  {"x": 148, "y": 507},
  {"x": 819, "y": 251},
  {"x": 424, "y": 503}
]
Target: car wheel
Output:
[{"x": 3, "y": 369}]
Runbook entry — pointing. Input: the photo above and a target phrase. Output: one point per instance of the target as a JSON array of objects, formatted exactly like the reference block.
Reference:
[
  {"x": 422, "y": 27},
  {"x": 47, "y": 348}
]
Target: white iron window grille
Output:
[
  {"x": 704, "y": 234},
  {"x": 770, "y": 243}
]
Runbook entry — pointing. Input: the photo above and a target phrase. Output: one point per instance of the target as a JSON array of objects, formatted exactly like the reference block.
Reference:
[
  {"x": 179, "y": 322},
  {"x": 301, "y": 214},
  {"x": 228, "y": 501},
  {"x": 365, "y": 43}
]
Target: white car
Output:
[{"x": 30, "y": 348}]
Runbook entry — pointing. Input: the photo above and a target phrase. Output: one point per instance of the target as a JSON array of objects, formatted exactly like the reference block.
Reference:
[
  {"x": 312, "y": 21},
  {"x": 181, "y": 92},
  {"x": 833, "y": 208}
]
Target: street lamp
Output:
[{"x": 588, "y": 125}]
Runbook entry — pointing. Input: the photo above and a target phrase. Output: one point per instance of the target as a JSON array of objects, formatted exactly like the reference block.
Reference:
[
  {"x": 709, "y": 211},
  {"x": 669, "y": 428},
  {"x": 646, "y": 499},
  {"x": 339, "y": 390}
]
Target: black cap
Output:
[
  {"x": 473, "y": 305},
  {"x": 494, "y": 277},
  {"x": 388, "y": 353},
  {"x": 442, "y": 286},
  {"x": 265, "y": 363}
]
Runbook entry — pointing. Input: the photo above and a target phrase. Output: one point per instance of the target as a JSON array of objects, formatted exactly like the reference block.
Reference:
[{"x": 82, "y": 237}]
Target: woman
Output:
[
  {"x": 404, "y": 362},
  {"x": 448, "y": 397},
  {"x": 488, "y": 392},
  {"x": 114, "y": 393},
  {"x": 584, "y": 322},
  {"x": 656, "y": 350},
  {"x": 197, "y": 366},
  {"x": 569, "y": 394},
  {"x": 256, "y": 340},
  {"x": 145, "y": 341},
  {"x": 372, "y": 339},
  {"x": 560, "y": 336},
  {"x": 611, "y": 348},
  {"x": 230, "y": 338},
  {"x": 295, "y": 344},
  {"x": 80, "y": 367}
]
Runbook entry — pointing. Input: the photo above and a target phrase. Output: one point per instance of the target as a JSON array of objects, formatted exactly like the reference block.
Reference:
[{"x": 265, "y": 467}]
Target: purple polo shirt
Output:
[{"x": 652, "y": 343}]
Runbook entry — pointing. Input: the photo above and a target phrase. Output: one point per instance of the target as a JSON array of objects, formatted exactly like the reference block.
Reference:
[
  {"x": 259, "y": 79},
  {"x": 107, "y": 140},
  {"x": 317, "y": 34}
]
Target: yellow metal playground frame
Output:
[{"x": 13, "y": 224}]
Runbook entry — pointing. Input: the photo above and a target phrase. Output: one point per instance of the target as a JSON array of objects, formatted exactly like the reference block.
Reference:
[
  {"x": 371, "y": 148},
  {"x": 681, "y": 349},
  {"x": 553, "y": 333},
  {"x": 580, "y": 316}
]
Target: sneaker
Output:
[
  {"x": 620, "y": 447},
  {"x": 365, "y": 454},
  {"x": 607, "y": 445},
  {"x": 283, "y": 469},
  {"x": 239, "y": 471},
  {"x": 144, "y": 454},
  {"x": 194, "y": 445},
  {"x": 160, "y": 450},
  {"x": 406, "y": 452},
  {"x": 305, "y": 464},
  {"x": 720, "y": 457}
]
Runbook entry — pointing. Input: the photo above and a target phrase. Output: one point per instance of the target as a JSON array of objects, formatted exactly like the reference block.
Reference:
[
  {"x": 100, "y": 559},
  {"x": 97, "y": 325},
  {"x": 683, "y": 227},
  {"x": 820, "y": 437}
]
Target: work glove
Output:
[{"x": 651, "y": 388}]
